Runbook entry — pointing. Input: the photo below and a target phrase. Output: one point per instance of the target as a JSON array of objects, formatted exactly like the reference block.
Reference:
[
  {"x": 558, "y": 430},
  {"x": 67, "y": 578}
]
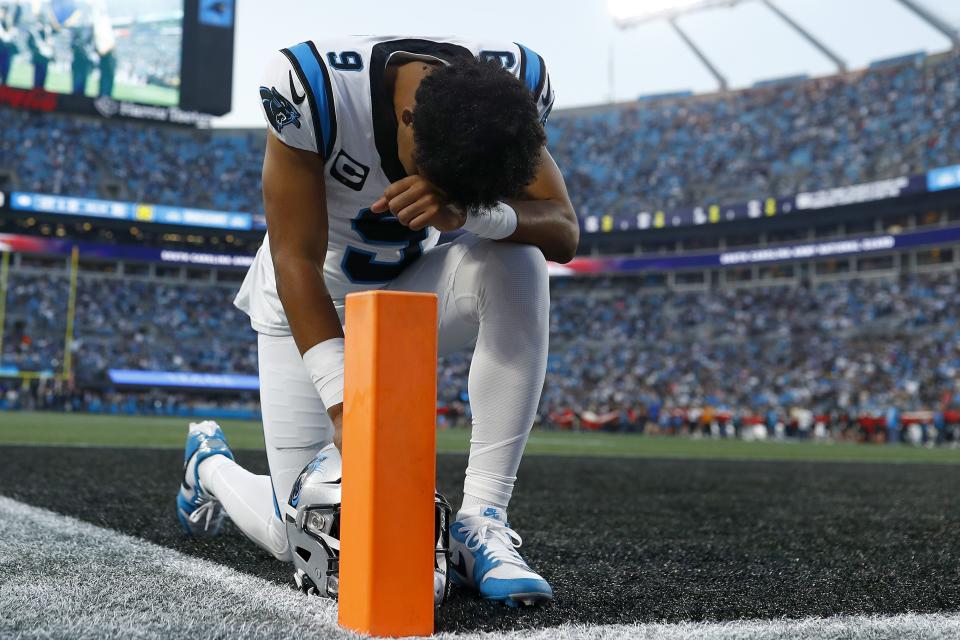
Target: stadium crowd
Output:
[
  {"x": 620, "y": 356},
  {"x": 772, "y": 141},
  {"x": 847, "y": 348},
  {"x": 129, "y": 324},
  {"x": 652, "y": 155},
  {"x": 68, "y": 155}
]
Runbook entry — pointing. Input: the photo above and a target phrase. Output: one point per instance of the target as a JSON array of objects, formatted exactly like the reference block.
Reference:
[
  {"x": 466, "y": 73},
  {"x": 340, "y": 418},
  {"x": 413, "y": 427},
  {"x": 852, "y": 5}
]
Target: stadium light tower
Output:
[
  {"x": 934, "y": 21},
  {"x": 631, "y": 13},
  {"x": 697, "y": 51},
  {"x": 809, "y": 37}
]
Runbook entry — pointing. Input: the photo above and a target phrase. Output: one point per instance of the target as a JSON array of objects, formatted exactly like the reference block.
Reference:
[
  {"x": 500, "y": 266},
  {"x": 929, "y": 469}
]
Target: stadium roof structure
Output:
[{"x": 632, "y": 13}]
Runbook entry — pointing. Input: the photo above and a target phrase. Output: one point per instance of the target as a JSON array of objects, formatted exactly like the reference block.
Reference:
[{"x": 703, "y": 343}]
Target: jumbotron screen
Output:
[{"x": 102, "y": 53}]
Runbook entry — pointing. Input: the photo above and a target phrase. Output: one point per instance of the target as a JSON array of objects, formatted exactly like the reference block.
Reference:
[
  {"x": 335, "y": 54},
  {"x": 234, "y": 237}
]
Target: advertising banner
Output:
[{"x": 131, "y": 211}]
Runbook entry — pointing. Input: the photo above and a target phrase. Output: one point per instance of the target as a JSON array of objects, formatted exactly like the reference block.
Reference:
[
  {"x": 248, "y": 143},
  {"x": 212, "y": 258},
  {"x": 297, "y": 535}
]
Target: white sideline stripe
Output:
[
  {"x": 61, "y": 577},
  {"x": 66, "y": 578}
]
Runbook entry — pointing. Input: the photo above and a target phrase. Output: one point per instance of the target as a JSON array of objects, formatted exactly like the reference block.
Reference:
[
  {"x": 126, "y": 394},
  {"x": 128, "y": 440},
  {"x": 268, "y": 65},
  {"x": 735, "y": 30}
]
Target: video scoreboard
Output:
[{"x": 156, "y": 60}]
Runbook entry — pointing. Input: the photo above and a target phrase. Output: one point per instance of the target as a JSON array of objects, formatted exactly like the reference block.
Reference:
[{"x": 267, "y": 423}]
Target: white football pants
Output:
[{"x": 494, "y": 294}]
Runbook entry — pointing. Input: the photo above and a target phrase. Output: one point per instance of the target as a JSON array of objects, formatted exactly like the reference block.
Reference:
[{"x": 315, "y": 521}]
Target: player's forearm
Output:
[
  {"x": 550, "y": 225},
  {"x": 316, "y": 329},
  {"x": 307, "y": 303}
]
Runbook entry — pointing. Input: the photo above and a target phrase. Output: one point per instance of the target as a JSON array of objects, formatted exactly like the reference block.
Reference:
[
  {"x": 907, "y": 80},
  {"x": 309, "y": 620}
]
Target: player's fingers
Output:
[
  {"x": 400, "y": 186},
  {"x": 424, "y": 219},
  {"x": 380, "y": 206},
  {"x": 405, "y": 199},
  {"x": 411, "y": 211}
]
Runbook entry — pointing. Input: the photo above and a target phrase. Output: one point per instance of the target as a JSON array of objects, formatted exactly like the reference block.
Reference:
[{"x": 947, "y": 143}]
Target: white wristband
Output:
[
  {"x": 496, "y": 223},
  {"x": 325, "y": 364}
]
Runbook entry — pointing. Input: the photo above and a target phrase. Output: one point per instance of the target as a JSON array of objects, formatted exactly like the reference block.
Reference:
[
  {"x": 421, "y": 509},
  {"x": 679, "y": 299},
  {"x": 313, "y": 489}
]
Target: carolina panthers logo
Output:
[
  {"x": 280, "y": 112},
  {"x": 310, "y": 468}
]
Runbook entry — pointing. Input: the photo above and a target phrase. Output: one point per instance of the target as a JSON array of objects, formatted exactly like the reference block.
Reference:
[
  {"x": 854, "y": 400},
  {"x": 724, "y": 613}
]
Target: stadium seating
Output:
[
  {"x": 772, "y": 141},
  {"x": 852, "y": 346},
  {"x": 54, "y": 153},
  {"x": 857, "y": 346},
  {"x": 655, "y": 155},
  {"x": 130, "y": 324}
]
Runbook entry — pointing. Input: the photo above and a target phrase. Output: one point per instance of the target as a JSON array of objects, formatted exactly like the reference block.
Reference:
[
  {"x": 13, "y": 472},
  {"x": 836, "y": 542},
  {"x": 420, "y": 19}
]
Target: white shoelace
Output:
[
  {"x": 501, "y": 541},
  {"x": 206, "y": 509}
]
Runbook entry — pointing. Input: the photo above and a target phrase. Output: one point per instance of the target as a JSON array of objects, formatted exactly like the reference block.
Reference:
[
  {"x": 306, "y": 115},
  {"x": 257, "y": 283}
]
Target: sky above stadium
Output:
[{"x": 576, "y": 37}]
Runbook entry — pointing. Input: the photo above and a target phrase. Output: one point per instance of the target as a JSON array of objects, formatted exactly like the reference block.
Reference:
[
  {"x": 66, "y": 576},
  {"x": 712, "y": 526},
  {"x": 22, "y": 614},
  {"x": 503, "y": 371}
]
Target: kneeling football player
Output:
[{"x": 376, "y": 146}]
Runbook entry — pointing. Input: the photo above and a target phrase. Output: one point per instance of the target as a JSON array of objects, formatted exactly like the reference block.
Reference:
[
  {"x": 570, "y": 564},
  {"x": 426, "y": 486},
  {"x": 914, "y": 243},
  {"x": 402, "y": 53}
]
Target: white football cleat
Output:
[
  {"x": 200, "y": 514},
  {"x": 484, "y": 557}
]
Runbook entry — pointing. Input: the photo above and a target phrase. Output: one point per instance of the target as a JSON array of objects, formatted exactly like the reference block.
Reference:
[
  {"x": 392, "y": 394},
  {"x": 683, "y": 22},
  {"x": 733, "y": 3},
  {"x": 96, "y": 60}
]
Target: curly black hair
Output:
[{"x": 477, "y": 132}]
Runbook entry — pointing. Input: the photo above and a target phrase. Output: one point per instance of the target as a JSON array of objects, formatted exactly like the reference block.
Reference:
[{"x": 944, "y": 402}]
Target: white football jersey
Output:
[{"x": 329, "y": 97}]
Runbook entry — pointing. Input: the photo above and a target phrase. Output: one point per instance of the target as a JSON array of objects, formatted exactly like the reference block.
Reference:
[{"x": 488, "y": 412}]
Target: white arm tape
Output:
[
  {"x": 325, "y": 363},
  {"x": 496, "y": 223}
]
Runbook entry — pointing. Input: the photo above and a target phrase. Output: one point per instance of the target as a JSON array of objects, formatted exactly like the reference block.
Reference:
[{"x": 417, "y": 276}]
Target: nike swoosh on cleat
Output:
[{"x": 293, "y": 91}]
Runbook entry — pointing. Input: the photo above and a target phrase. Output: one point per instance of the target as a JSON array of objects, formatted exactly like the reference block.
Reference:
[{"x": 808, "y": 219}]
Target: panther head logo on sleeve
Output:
[{"x": 280, "y": 112}]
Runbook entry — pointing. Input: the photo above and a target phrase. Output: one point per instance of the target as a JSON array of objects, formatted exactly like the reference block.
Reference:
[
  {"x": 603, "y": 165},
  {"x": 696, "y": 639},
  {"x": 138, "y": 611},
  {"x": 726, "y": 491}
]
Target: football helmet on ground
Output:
[{"x": 312, "y": 518}]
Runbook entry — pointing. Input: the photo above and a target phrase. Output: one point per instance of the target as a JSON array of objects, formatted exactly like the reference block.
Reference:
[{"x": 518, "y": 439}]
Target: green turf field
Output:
[
  {"x": 93, "y": 430},
  {"x": 59, "y": 81}
]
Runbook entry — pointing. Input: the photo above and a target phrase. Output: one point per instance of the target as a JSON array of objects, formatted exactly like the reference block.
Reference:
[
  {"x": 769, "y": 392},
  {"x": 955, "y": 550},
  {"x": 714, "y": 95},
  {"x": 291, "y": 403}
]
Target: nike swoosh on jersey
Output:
[{"x": 293, "y": 91}]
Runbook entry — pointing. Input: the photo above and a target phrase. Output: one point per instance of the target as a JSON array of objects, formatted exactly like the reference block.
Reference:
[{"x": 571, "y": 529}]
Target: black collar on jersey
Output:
[{"x": 384, "y": 117}]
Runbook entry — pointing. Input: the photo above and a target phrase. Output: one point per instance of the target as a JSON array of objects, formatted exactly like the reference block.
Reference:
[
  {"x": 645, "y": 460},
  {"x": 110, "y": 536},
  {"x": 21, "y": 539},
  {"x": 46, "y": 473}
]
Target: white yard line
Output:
[
  {"x": 61, "y": 577},
  {"x": 902, "y": 627}
]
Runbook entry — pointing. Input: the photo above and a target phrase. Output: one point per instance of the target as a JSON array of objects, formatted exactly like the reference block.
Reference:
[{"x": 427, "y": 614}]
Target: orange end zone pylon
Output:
[{"x": 389, "y": 464}]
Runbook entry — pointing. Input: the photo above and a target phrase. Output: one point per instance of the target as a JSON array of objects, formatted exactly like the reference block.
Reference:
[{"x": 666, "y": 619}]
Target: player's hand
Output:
[{"x": 417, "y": 204}]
